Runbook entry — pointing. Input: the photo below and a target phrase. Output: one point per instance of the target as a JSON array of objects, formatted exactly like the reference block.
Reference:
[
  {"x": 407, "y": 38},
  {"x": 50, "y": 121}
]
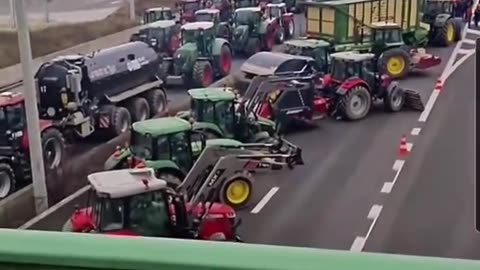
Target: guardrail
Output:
[{"x": 10, "y": 86}]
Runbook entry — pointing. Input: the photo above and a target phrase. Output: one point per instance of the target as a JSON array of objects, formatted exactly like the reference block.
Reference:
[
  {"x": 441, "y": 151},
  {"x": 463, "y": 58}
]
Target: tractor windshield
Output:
[
  {"x": 141, "y": 145},
  {"x": 342, "y": 70},
  {"x": 15, "y": 116},
  {"x": 387, "y": 36},
  {"x": 154, "y": 16},
  {"x": 274, "y": 12},
  {"x": 437, "y": 7},
  {"x": 246, "y": 17},
  {"x": 220, "y": 112},
  {"x": 190, "y": 36},
  {"x": 149, "y": 215},
  {"x": 204, "y": 17},
  {"x": 111, "y": 214},
  {"x": 191, "y": 6}
]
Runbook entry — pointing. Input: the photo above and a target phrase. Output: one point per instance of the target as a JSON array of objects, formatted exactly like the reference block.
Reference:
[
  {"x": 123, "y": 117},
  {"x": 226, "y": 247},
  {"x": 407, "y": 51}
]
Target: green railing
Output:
[{"x": 35, "y": 250}]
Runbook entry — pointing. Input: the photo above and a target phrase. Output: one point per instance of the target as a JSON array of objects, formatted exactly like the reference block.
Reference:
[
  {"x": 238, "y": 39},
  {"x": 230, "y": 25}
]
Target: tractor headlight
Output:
[{"x": 51, "y": 111}]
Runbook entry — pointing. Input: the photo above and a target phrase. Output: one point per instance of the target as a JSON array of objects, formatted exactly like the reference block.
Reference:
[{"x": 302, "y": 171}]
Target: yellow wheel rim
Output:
[
  {"x": 238, "y": 191},
  {"x": 395, "y": 65},
  {"x": 450, "y": 33}
]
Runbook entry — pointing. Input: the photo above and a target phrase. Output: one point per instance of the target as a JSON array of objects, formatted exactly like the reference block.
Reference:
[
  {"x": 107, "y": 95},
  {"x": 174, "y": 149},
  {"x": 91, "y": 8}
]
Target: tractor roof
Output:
[
  {"x": 124, "y": 183},
  {"x": 266, "y": 63},
  {"x": 335, "y": 2},
  {"x": 251, "y": 9},
  {"x": 197, "y": 25},
  {"x": 207, "y": 11},
  {"x": 275, "y": 4},
  {"x": 189, "y": 1},
  {"x": 351, "y": 56},
  {"x": 159, "y": 24},
  {"x": 158, "y": 9},
  {"x": 161, "y": 126},
  {"x": 307, "y": 43},
  {"x": 212, "y": 94},
  {"x": 10, "y": 98},
  {"x": 384, "y": 25}
]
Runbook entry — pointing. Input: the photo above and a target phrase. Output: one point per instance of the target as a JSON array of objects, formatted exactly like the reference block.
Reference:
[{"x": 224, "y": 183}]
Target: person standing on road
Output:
[{"x": 476, "y": 16}]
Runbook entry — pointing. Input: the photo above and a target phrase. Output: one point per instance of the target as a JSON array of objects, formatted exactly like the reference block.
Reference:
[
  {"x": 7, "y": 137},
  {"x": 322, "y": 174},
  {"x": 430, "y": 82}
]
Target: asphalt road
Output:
[{"x": 38, "y": 6}]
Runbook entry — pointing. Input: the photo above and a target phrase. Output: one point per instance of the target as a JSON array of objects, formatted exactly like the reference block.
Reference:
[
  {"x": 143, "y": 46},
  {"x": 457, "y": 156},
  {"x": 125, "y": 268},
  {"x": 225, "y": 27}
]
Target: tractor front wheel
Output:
[
  {"x": 253, "y": 46},
  {"x": 202, "y": 74},
  {"x": 355, "y": 104},
  {"x": 236, "y": 191},
  {"x": 445, "y": 36},
  {"x": 395, "y": 63},
  {"x": 53, "y": 144},
  {"x": 290, "y": 30},
  {"x": 225, "y": 60},
  {"x": 7, "y": 180},
  {"x": 394, "y": 99},
  {"x": 279, "y": 36}
]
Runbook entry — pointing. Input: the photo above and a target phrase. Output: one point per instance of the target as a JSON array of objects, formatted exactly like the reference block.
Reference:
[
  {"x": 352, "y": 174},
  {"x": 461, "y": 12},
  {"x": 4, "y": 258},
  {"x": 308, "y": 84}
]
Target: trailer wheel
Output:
[
  {"x": 121, "y": 121},
  {"x": 395, "y": 63},
  {"x": 394, "y": 99},
  {"x": 138, "y": 108},
  {"x": 355, "y": 104},
  {"x": 157, "y": 101},
  {"x": 445, "y": 36},
  {"x": 202, "y": 73},
  {"x": 253, "y": 46},
  {"x": 236, "y": 191},
  {"x": 53, "y": 145},
  {"x": 7, "y": 180}
]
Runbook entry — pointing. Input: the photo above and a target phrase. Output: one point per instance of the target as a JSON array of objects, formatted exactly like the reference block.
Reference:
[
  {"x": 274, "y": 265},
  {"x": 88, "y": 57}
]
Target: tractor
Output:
[
  {"x": 278, "y": 11},
  {"x": 245, "y": 3},
  {"x": 317, "y": 49},
  {"x": 136, "y": 203},
  {"x": 437, "y": 17},
  {"x": 252, "y": 31},
  {"x": 224, "y": 6},
  {"x": 187, "y": 9},
  {"x": 201, "y": 58},
  {"x": 173, "y": 149},
  {"x": 162, "y": 36},
  {"x": 290, "y": 5},
  {"x": 354, "y": 83},
  {"x": 223, "y": 29},
  {"x": 157, "y": 14},
  {"x": 15, "y": 167}
]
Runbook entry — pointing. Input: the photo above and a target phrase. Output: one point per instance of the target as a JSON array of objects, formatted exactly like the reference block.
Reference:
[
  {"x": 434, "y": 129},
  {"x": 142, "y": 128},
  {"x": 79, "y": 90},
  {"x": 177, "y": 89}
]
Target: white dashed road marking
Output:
[
  {"x": 264, "y": 200},
  {"x": 359, "y": 242}
]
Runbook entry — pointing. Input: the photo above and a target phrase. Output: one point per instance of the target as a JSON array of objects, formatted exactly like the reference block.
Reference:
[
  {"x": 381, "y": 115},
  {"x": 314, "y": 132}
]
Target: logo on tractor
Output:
[
  {"x": 215, "y": 177},
  {"x": 133, "y": 65}
]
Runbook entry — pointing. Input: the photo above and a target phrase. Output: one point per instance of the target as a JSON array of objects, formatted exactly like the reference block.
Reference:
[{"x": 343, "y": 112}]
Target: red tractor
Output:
[
  {"x": 224, "y": 6},
  {"x": 285, "y": 19},
  {"x": 187, "y": 9},
  {"x": 14, "y": 152}
]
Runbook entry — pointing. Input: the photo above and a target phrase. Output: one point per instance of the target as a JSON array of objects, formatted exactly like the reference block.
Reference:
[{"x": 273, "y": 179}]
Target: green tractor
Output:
[
  {"x": 157, "y": 14},
  {"x": 162, "y": 36},
  {"x": 201, "y": 59},
  {"x": 252, "y": 32},
  {"x": 223, "y": 29},
  {"x": 214, "y": 113},
  {"x": 437, "y": 17},
  {"x": 315, "y": 48}
]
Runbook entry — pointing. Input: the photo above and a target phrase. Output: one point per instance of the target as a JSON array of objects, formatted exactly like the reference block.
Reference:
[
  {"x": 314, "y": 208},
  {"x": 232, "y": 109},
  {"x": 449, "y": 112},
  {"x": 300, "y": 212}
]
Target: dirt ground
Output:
[{"x": 59, "y": 37}]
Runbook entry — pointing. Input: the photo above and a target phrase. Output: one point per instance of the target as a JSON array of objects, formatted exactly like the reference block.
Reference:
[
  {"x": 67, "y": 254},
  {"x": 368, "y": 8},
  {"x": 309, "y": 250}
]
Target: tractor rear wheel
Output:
[
  {"x": 53, "y": 146},
  {"x": 395, "y": 63},
  {"x": 138, "y": 108},
  {"x": 279, "y": 35},
  {"x": 225, "y": 60},
  {"x": 253, "y": 46},
  {"x": 121, "y": 121},
  {"x": 394, "y": 99},
  {"x": 355, "y": 104},
  {"x": 7, "y": 180},
  {"x": 445, "y": 36},
  {"x": 290, "y": 31},
  {"x": 202, "y": 74},
  {"x": 236, "y": 191},
  {"x": 458, "y": 29},
  {"x": 173, "y": 181},
  {"x": 157, "y": 101}
]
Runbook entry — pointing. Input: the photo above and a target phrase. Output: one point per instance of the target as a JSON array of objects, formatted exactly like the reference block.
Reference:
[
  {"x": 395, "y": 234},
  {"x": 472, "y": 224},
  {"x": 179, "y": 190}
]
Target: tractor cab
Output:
[
  {"x": 245, "y": 3},
  {"x": 224, "y": 6},
  {"x": 208, "y": 15},
  {"x": 317, "y": 49},
  {"x": 12, "y": 119},
  {"x": 275, "y": 10},
  {"x": 386, "y": 35},
  {"x": 433, "y": 8},
  {"x": 133, "y": 202},
  {"x": 157, "y": 14},
  {"x": 200, "y": 33},
  {"x": 187, "y": 9},
  {"x": 162, "y": 36},
  {"x": 249, "y": 16}
]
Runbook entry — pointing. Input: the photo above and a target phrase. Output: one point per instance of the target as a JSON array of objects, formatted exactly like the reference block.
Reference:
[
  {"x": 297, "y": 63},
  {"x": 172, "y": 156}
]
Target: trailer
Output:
[{"x": 104, "y": 91}]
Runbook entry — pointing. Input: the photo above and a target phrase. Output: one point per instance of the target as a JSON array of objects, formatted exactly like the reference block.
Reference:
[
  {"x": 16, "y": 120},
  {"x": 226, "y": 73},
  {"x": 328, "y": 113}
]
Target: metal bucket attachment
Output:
[
  {"x": 413, "y": 100},
  {"x": 423, "y": 60}
]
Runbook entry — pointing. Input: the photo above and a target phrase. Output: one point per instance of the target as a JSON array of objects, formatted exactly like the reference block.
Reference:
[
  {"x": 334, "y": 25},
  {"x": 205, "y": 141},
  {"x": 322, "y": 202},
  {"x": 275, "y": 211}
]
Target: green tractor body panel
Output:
[
  {"x": 161, "y": 126},
  {"x": 162, "y": 165},
  {"x": 223, "y": 142},
  {"x": 117, "y": 159},
  {"x": 212, "y": 94},
  {"x": 210, "y": 127},
  {"x": 188, "y": 55},
  {"x": 316, "y": 48},
  {"x": 217, "y": 46},
  {"x": 184, "y": 114}
]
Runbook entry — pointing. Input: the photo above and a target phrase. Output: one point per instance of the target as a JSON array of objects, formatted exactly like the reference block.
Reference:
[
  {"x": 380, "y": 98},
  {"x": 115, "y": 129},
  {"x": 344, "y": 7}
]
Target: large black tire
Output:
[
  {"x": 120, "y": 122},
  {"x": 243, "y": 182},
  {"x": 349, "y": 102},
  {"x": 139, "y": 109},
  {"x": 395, "y": 63},
  {"x": 290, "y": 30},
  {"x": 445, "y": 36},
  {"x": 202, "y": 74},
  {"x": 7, "y": 180},
  {"x": 224, "y": 32},
  {"x": 458, "y": 29},
  {"x": 253, "y": 46},
  {"x": 157, "y": 101},
  {"x": 225, "y": 60},
  {"x": 394, "y": 99},
  {"x": 53, "y": 146},
  {"x": 173, "y": 181},
  {"x": 279, "y": 35},
  {"x": 164, "y": 68}
]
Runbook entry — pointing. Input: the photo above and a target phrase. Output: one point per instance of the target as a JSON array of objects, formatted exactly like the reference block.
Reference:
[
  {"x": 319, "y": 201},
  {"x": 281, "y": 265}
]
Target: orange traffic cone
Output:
[
  {"x": 403, "y": 146},
  {"x": 439, "y": 85}
]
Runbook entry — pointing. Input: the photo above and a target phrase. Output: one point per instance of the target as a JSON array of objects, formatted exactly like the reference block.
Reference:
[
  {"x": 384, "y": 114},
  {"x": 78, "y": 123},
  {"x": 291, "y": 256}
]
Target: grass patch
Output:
[{"x": 46, "y": 40}]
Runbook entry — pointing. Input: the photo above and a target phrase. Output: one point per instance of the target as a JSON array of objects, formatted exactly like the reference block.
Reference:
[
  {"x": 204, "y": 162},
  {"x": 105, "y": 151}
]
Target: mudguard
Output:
[
  {"x": 117, "y": 158},
  {"x": 441, "y": 19},
  {"x": 217, "y": 46},
  {"x": 211, "y": 127},
  {"x": 349, "y": 84}
]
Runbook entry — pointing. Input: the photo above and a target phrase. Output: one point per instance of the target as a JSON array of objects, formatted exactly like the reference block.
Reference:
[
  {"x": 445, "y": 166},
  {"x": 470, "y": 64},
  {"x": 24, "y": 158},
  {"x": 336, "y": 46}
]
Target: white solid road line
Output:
[
  {"x": 264, "y": 200},
  {"x": 469, "y": 41},
  {"x": 428, "y": 108},
  {"x": 359, "y": 242},
  {"x": 397, "y": 167},
  {"x": 416, "y": 131}
]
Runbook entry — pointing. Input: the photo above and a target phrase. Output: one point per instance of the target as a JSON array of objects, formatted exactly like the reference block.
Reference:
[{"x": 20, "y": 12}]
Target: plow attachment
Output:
[
  {"x": 422, "y": 60},
  {"x": 413, "y": 100}
]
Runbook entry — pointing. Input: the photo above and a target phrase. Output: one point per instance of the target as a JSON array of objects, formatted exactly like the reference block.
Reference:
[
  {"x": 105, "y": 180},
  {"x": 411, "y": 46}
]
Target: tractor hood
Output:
[
  {"x": 184, "y": 57},
  {"x": 187, "y": 50}
]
